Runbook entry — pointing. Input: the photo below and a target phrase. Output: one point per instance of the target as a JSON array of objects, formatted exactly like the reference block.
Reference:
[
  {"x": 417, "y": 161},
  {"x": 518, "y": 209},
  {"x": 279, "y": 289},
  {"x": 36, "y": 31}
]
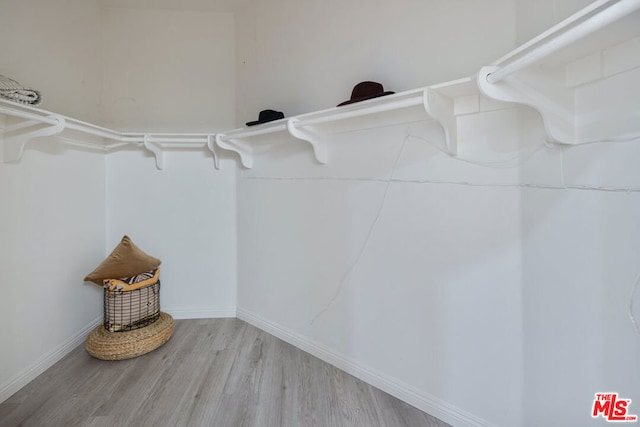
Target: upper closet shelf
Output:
[
  {"x": 581, "y": 75},
  {"x": 439, "y": 103},
  {"x": 21, "y": 123}
]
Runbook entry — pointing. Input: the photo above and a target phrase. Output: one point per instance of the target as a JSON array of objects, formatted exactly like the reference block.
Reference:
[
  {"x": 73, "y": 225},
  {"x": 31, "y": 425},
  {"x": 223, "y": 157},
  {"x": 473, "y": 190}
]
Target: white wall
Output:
[
  {"x": 483, "y": 294},
  {"x": 52, "y": 216},
  {"x": 415, "y": 285},
  {"x": 534, "y": 17},
  {"x": 54, "y": 46},
  {"x": 185, "y": 215},
  {"x": 580, "y": 261},
  {"x": 581, "y": 257},
  {"x": 173, "y": 70},
  {"x": 168, "y": 70}
]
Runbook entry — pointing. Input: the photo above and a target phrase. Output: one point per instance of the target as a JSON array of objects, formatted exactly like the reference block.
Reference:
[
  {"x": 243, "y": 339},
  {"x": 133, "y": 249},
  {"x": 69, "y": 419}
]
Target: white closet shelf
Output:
[
  {"x": 436, "y": 103},
  {"x": 21, "y": 123},
  {"x": 581, "y": 76}
]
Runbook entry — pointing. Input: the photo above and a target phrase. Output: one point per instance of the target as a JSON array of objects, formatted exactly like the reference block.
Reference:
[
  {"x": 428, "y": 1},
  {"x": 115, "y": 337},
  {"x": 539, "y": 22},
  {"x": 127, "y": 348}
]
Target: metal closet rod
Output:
[
  {"x": 45, "y": 117},
  {"x": 594, "y": 17},
  {"x": 48, "y": 119}
]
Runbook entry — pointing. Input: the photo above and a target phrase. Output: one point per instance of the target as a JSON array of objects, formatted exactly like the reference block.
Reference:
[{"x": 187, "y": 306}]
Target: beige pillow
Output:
[{"x": 125, "y": 260}]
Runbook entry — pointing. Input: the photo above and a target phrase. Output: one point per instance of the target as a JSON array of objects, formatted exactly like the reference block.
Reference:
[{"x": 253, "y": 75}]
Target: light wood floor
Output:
[{"x": 213, "y": 372}]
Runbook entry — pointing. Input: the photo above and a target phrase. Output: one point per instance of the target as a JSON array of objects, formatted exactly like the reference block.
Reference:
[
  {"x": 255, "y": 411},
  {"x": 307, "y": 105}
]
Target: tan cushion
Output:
[{"x": 125, "y": 260}]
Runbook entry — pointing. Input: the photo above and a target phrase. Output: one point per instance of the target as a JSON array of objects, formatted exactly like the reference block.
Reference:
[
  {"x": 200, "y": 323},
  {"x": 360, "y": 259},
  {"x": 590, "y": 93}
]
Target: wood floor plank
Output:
[{"x": 212, "y": 372}]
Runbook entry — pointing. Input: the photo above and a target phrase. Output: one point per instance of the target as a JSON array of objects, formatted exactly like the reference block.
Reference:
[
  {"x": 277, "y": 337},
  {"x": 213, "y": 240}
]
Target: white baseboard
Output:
[
  {"x": 207, "y": 313},
  {"x": 45, "y": 362},
  {"x": 421, "y": 400}
]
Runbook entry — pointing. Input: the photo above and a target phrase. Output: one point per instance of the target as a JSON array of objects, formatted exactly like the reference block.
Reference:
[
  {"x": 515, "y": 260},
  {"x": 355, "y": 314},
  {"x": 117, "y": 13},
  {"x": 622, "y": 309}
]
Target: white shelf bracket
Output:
[
  {"x": 156, "y": 149},
  {"x": 314, "y": 138},
  {"x": 441, "y": 109},
  {"x": 211, "y": 139},
  {"x": 15, "y": 138},
  {"x": 243, "y": 150},
  {"x": 558, "y": 119}
]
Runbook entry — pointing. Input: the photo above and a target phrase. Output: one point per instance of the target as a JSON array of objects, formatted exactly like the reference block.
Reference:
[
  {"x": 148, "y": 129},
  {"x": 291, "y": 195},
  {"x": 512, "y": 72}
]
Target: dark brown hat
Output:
[
  {"x": 366, "y": 90},
  {"x": 267, "y": 116}
]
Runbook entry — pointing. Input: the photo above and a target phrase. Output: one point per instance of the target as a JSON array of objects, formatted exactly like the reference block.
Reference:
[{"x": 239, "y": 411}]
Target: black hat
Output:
[
  {"x": 366, "y": 90},
  {"x": 267, "y": 116}
]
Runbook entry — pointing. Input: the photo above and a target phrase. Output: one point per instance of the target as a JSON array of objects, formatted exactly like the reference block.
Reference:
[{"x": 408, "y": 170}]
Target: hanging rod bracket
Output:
[
  {"x": 557, "y": 117},
  {"x": 231, "y": 144},
  {"x": 314, "y": 138},
  {"x": 15, "y": 137},
  {"x": 211, "y": 139},
  {"x": 155, "y": 149}
]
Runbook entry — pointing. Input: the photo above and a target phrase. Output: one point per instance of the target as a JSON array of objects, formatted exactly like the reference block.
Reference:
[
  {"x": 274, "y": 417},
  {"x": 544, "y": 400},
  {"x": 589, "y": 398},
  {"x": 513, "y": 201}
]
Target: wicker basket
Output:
[
  {"x": 106, "y": 345},
  {"x": 129, "y": 310}
]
